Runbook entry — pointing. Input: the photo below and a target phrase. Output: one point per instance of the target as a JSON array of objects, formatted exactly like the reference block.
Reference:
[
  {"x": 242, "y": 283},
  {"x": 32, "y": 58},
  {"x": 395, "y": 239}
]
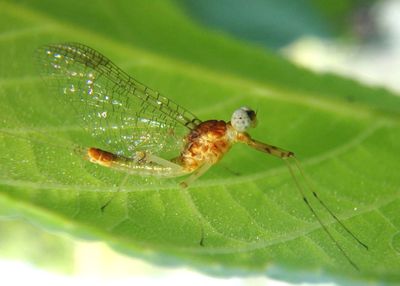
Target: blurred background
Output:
[
  {"x": 358, "y": 39},
  {"x": 355, "y": 38}
]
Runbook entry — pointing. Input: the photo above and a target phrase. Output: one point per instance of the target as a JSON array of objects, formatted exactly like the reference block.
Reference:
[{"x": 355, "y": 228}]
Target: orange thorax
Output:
[{"x": 207, "y": 143}]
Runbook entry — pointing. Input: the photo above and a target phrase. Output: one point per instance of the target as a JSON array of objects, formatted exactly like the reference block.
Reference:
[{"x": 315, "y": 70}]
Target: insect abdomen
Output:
[{"x": 101, "y": 157}]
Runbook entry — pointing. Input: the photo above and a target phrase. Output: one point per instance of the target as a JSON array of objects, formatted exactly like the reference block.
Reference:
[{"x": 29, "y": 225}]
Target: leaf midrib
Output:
[{"x": 340, "y": 150}]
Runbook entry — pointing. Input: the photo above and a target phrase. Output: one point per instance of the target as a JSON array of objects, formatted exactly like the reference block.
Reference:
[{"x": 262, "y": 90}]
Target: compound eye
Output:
[{"x": 251, "y": 114}]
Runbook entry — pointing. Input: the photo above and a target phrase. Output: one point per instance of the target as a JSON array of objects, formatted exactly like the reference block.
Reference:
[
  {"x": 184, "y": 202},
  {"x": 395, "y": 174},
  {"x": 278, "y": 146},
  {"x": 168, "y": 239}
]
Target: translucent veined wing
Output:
[{"x": 123, "y": 114}]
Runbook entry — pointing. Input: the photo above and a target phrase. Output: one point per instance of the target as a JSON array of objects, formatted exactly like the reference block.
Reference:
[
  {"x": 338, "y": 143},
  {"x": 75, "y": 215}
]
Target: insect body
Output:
[
  {"x": 204, "y": 146},
  {"x": 144, "y": 133}
]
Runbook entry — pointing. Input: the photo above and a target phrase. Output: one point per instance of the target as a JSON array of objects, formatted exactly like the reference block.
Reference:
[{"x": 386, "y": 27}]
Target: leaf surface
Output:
[{"x": 246, "y": 209}]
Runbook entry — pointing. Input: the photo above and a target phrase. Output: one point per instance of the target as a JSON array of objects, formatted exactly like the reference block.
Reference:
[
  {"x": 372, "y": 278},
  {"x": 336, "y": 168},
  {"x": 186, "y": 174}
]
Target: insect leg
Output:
[
  {"x": 305, "y": 199},
  {"x": 200, "y": 171},
  {"x": 108, "y": 159},
  {"x": 288, "y": 157},
  {"x": 175, "y": 168},
  {"x": 312, "y": 189},
  {"x": 102, "y": 208},
  {"x": 269, "y": 149}
]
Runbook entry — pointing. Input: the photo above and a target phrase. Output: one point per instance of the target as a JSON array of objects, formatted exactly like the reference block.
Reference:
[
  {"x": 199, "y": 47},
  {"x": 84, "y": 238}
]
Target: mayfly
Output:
[{"x": 138, "y": 128}]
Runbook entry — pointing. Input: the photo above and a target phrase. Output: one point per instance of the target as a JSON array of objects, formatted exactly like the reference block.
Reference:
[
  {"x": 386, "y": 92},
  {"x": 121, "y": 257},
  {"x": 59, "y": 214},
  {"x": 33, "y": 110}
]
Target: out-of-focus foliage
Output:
[{"x": 276, "y": 23}]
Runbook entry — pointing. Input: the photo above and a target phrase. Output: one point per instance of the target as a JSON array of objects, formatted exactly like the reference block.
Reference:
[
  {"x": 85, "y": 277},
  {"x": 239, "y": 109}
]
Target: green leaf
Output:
[{"x": 247, "y": 208}]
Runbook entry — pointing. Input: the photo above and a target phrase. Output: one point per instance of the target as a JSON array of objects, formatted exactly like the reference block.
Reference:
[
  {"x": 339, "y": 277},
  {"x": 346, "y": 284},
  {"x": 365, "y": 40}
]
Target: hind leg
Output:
[{"x": 200, "y": 171}]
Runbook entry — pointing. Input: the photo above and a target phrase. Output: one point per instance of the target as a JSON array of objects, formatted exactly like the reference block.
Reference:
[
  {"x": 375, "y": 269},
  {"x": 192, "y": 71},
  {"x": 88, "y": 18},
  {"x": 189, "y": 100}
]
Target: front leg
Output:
[{"x": 264, "y": 147}]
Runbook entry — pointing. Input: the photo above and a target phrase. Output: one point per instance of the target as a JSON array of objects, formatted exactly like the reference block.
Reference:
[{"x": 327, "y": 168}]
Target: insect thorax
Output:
[{"x": 207, "y": 143}]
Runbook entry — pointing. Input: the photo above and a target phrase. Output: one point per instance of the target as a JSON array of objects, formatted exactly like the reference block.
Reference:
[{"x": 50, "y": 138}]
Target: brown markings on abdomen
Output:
[{"x": 101, "y": 157}]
